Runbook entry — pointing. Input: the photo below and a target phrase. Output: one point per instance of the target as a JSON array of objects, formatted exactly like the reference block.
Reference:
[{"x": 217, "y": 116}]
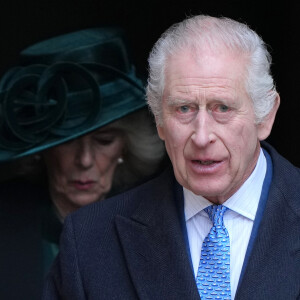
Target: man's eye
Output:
[
  {"x": 184, "y": 109},
  {"x": 223, "y": 108},
  {"x": 222, "y": 113}
]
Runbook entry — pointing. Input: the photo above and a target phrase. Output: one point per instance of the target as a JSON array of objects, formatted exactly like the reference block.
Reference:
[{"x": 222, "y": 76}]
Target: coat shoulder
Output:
[
  {"x": 286, "y": 179},
  {"x": 100, "y": 214}
]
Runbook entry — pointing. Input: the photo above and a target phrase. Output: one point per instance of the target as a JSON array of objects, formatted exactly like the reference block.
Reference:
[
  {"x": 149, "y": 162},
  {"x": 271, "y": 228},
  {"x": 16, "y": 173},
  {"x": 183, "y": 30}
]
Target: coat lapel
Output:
[{"x": 154, "y": 247}]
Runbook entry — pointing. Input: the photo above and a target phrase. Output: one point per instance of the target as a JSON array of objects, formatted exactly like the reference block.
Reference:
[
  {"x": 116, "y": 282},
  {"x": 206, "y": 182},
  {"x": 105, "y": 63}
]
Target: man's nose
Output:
[{"x": 203, "y": 131}]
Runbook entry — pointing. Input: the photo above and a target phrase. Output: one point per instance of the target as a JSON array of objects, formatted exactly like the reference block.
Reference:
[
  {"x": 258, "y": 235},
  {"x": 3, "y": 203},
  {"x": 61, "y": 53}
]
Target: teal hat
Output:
[{"x": 65, "y": 87}]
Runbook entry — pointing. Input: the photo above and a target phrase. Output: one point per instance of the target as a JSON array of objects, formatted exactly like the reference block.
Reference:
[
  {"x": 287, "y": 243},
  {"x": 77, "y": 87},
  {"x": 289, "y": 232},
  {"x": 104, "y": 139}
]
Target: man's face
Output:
[{"x": 209, "y": 124}]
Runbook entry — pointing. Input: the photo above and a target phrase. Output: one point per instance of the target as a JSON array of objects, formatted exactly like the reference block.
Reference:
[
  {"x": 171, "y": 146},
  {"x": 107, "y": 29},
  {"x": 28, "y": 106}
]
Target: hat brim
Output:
[{"x": 113, "y": 107}]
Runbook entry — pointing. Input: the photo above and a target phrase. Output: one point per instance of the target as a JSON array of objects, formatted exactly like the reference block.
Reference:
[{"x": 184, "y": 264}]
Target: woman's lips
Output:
[{"x": 83, "y": 185}]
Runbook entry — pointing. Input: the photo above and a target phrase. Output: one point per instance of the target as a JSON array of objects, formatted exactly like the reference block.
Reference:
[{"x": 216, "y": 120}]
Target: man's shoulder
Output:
[
  {"x": 282, "y": 167},
  {"x": 285, "y": 179}
]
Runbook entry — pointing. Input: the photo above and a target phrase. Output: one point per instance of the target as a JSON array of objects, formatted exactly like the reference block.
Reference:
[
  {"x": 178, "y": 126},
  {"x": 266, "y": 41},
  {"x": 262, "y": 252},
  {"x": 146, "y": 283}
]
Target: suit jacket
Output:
[
  {"x": 133, "y": 246},
  {"x": 25, "y": 221}
]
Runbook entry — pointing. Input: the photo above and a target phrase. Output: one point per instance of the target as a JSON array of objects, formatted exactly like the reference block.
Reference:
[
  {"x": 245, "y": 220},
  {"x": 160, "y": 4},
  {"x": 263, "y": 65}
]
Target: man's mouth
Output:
[{"x": 205, "y": 162}]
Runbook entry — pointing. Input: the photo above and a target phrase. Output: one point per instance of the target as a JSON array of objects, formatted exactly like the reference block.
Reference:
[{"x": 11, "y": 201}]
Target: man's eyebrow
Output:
[{"x": 172, "y": 101}]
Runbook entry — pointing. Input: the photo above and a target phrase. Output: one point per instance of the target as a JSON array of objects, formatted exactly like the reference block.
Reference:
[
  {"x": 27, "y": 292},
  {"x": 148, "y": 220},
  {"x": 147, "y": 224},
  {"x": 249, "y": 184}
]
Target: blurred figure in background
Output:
[{"x": 74, "y": 129}]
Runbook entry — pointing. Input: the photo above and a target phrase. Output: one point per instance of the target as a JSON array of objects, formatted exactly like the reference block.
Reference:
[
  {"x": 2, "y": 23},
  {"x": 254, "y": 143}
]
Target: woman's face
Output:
[{"x": 81, "y": 171}]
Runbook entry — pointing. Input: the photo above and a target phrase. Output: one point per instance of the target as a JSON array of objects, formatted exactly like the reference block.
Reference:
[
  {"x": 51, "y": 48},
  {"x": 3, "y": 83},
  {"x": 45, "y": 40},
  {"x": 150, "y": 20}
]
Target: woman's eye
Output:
[{"x": 104, "y": 141}]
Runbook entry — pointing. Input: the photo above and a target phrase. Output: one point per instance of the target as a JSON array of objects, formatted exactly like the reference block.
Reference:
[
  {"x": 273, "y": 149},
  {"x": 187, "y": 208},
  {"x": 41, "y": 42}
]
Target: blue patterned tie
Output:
[{"x": 213, "y": 277}]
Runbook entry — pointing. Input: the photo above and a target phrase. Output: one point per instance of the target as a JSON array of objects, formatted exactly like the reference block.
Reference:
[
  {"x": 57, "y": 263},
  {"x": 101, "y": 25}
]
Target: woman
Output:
[{"x": 74, "y": 124}]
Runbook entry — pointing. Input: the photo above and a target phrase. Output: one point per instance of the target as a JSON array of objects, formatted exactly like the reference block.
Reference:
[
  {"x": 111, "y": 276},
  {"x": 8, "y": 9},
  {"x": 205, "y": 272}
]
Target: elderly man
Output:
[{"x": 223, "y": 222}]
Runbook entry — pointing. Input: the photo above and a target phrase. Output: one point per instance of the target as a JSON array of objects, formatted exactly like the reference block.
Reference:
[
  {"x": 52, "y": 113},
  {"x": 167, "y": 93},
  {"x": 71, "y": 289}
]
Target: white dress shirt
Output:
[{"x": 238, "y": 220}]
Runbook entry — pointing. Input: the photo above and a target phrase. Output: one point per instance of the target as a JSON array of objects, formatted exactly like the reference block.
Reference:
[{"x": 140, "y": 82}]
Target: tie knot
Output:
[{"x": 216, "y": 213}]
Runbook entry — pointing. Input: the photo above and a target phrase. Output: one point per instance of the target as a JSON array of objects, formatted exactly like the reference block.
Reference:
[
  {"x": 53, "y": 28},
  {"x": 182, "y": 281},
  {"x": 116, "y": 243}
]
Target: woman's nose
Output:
[{"x": 84, "y": 155}]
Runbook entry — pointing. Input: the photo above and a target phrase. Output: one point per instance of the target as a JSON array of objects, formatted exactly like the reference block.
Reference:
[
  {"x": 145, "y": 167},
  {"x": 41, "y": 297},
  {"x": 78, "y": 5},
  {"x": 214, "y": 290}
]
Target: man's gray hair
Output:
[{"x": 217, "y": 33}]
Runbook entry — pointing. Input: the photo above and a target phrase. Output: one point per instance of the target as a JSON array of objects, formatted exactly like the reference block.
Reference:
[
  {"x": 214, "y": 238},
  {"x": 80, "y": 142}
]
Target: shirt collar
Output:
[{"x": 244, "y": 201}]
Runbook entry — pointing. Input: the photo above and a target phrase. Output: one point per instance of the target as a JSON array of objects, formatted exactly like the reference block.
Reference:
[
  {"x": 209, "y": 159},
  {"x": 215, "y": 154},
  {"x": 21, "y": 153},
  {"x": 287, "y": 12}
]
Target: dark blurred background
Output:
[{"x": 23, "y": 23}]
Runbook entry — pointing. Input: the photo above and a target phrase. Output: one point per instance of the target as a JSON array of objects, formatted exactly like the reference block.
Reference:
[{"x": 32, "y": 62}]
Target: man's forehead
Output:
[
  {"x": 184, "y": 75},
  {"x": 197, "y": 88},
  {"x": 185, "y": 82},
  {"x": 184, "y": 59}
]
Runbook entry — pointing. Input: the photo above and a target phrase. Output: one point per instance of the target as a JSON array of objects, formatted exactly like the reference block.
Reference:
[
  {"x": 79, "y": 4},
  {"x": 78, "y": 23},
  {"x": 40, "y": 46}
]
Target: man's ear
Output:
[
  {"x": 161, "y": 131},
  {"x": 265, "y": 127}
]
